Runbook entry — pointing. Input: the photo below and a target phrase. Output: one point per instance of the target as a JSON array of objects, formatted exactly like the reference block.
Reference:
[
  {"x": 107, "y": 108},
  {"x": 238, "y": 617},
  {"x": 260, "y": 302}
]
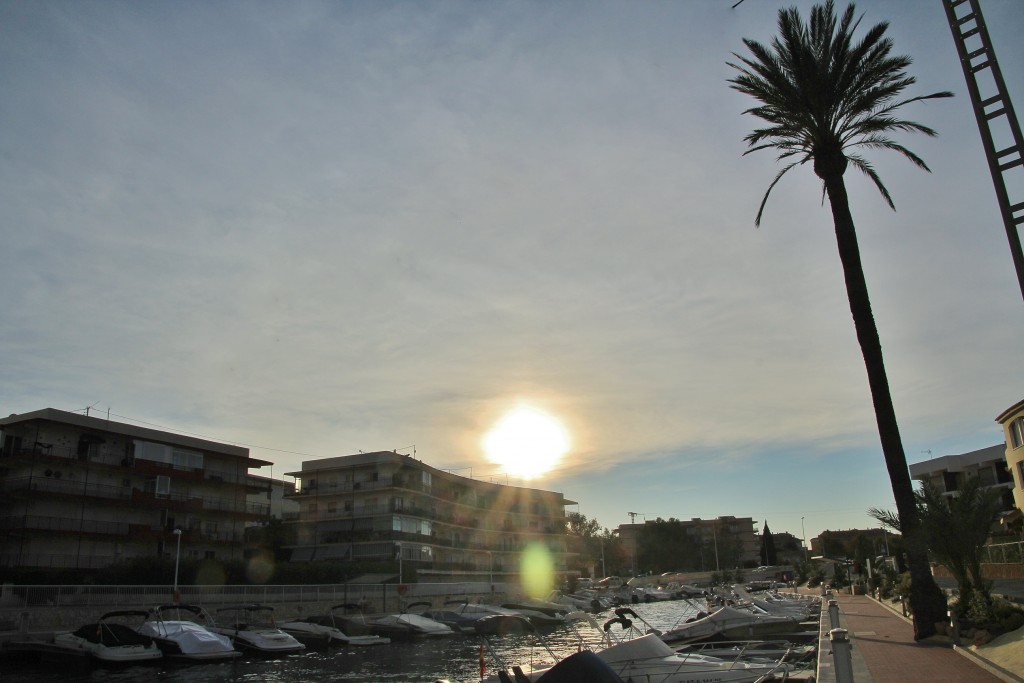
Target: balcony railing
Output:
[{"x": 124, "y": 493}]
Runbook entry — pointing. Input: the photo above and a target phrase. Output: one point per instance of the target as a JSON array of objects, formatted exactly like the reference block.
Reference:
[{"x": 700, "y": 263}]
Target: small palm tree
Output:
[
  {"x": 825, "y": 98},
  {"x": 956, "y": 528}
]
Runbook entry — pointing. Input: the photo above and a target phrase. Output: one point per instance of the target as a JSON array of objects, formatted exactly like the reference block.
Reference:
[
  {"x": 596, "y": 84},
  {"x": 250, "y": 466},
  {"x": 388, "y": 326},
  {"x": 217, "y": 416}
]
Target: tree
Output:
[
  {"x": 584, "y": 539},
  {"x": 768, "y": 557},
  {"x": 824, "y": 99},
  {"x": 955, "y": 529}
]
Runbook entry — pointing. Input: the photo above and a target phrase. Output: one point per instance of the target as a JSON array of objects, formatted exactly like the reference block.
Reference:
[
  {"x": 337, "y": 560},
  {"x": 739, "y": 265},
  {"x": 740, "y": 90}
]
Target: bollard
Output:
[
  {"x": 822, "y": 590},
  {"x": 833, "y": 613},
  {"x": 903, "y": 605},
  {"x": 842, "y": 655}
]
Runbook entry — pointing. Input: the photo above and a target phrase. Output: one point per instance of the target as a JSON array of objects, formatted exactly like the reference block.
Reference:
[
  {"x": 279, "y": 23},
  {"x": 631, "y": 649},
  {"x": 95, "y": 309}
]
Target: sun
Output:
[{"x": 526, "y": 442}]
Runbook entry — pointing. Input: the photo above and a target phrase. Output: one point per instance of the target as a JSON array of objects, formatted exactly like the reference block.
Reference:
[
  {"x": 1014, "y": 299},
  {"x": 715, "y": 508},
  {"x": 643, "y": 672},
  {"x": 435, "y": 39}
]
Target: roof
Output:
[
  {"x": 958, "y": 463},
  {"x": 1004, "y": 416},
  {"x": 109, "y": 426}
]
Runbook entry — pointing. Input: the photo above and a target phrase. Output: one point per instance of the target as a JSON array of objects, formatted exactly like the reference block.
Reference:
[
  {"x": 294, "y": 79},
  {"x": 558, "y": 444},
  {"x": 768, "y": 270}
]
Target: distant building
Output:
[
  {"x": 843, "y": 544},
  {"x": 277, "y": 494},
  {"x": 947, "y": 473},
  {"x": 1012, "y": 422},
  {"x": 788, "y": 548},
  {"x": 86, "y": 492},
  {"x": 388, "y": 507},
  {"x": 730, "y": 542}
]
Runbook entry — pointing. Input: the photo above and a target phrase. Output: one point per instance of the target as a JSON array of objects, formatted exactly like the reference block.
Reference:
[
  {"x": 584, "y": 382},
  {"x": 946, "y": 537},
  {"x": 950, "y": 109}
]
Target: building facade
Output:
[
  {"x": 85, "y": 492},
  {"x": 948, "y": 473},
  {"x": 723, "y": 543},
  {"x": 846, "y": 543},
  {"x": 1012, "y": 422},
  {"x": 388, "y": 507}
]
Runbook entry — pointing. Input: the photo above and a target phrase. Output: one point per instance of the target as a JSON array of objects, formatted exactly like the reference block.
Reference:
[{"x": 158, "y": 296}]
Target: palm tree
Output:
[
  {"x": 824, "y": 98},
  {"x": 955, "y": 529}
]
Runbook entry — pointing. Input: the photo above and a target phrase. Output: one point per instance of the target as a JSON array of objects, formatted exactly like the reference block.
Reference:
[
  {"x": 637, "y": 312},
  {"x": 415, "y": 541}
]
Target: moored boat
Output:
[
  {"x": 177, "y": 631},
  {"x": 730, "y": 623},
  {"x": 251, "y": 629},
  {"x": 110, "y": 641},
  {"x": 326, "y": 630}
]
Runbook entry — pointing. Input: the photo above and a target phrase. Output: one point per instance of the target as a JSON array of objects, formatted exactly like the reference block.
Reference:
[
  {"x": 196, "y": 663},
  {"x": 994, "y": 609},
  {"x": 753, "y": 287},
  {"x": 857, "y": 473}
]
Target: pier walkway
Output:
[{"x": 884, "y": 650}]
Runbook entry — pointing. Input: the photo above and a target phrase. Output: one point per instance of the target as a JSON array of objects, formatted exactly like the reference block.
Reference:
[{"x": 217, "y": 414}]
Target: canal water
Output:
[{"x": 453, "y": 658}]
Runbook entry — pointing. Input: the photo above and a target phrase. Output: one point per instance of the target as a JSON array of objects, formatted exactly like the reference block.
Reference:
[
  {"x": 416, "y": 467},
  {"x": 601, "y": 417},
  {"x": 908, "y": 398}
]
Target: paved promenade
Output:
[{"x": 884, "y": 650}]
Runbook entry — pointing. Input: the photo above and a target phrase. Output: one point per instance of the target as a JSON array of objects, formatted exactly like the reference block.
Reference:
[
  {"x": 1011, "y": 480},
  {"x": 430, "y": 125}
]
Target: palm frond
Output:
[
  {"x": 824, "y": 92},
  {"x": 862, "y": 165},
  {"x": 778, "y": 177}
]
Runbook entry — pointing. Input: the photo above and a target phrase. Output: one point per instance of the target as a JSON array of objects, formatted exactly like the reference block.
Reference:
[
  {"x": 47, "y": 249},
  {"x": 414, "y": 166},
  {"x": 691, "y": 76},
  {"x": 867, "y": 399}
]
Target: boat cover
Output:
[
  {"x": 582, "y": 667},
  {"x": 649, "y": 646},
  {"x": 190, "y": 637}
]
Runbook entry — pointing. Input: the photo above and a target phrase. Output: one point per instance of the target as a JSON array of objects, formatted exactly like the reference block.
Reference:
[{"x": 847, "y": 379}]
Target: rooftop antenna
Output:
[{"x": 634, "y": 515}]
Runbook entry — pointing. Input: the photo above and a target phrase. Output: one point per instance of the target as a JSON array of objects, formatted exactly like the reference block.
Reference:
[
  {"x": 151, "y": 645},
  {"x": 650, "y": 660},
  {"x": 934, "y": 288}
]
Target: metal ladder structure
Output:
[{"x": 997, "y": 122}]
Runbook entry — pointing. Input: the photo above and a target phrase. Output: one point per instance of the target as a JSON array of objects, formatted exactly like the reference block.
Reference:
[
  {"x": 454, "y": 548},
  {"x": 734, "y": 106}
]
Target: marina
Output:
[{"x": 456, "y": 658}]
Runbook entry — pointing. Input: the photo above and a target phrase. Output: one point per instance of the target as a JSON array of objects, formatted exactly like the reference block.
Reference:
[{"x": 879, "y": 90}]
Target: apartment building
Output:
[
  {"x": 436, "y": 525},
  {"x": 1012, "y": 422},
  {"x": 80, "y": 491},
  {"x": 948, "y": 472},
  {"x": 276, "y": 494},
  {"x": 725, "y": 542}
]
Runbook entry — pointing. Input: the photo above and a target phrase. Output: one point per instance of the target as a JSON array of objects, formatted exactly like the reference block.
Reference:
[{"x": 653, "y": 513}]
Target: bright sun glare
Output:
[{"x": 526, "y": 442}]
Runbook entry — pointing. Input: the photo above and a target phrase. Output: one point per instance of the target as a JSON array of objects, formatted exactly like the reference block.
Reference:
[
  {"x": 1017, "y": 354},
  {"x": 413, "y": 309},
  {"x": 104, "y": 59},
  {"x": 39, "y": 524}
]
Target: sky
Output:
[{"x": 319, "y": 228}]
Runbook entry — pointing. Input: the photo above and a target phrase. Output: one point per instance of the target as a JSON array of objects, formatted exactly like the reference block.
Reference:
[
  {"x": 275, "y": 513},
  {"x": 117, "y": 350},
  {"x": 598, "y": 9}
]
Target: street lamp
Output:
[
  {"x": 177, "y": 558},
  {"x": 714, "y": 537},
  {"x": 804, "y": 534}
]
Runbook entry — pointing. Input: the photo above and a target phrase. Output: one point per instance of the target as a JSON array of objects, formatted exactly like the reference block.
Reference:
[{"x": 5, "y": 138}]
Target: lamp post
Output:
[
  {"x": 177, "y": 558},
  {"x": 714, "y": 537},
  {"x": 804, "y": 534}
]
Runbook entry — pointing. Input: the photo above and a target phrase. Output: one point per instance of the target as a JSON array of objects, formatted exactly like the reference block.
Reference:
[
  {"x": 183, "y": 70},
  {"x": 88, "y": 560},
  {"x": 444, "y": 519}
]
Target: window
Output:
[
  {"x": 332, "y": 507},
  {"x": 163, "y": 486},
  {"x": 1020, "y": 473},
  {"x": 1017, "y": 433}
]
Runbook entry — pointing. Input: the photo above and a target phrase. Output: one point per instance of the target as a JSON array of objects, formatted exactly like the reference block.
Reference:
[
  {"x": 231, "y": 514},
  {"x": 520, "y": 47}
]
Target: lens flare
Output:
[
  {"x": 260, "y": 568},
  {"x": 537, "y": 570}
]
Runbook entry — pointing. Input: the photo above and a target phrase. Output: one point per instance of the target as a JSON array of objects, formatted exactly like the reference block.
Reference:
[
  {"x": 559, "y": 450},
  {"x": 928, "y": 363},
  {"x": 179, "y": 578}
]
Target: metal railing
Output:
[
  {"x": 124, "y": 597},
  {"x": 1004, "y": 553}
]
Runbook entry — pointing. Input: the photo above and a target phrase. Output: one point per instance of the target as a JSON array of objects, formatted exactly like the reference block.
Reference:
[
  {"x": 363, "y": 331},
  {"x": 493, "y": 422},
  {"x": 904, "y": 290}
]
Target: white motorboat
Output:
[
  {"x": 251, "y": 628},
  {"x": 647, "y": 658},
  {"x": 541, "y": 613},
  {"x": 730, "y": 623},
  {"x": 178, "y": 633},
  {"x": 329, "y": 629},
  {"x": 110, "y": 641},
  {"x": 405, "y": 625},
  {"x": 583, "y": 599}
]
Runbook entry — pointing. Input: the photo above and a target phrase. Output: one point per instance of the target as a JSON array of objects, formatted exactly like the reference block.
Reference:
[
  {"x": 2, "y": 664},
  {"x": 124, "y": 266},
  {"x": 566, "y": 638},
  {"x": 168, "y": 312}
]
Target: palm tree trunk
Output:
[{"x": 927, "y": 602}]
